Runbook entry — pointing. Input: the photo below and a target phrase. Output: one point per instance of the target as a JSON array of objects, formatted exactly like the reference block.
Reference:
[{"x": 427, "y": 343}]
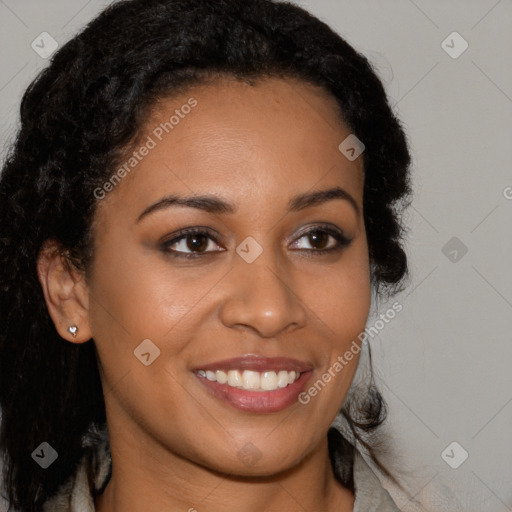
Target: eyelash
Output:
[{"x": 342, "y": 240}]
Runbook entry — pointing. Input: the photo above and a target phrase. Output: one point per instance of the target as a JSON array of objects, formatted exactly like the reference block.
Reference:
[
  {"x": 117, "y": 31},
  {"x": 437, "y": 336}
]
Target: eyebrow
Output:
[{"x": 216, "y": 205}]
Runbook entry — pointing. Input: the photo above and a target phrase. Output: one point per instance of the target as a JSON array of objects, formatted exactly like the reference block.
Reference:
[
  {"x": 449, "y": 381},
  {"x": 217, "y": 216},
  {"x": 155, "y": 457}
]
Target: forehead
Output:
[{"x": 274, "y": 138}]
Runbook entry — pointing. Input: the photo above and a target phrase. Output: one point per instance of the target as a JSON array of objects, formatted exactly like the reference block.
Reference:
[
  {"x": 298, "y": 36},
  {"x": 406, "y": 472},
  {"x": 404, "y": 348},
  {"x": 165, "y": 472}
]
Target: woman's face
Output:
[{"x": 253, "y": 300}]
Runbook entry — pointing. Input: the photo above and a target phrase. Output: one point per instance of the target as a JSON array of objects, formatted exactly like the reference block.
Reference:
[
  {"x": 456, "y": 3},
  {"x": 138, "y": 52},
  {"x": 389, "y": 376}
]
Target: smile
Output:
[
  {"x": 252, "y": 380},
  {"x": 254, "y": 383}
]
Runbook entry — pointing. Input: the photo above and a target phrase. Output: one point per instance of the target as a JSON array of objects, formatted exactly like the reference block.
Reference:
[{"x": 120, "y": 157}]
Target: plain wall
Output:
[{"x": 444, "y": 362}]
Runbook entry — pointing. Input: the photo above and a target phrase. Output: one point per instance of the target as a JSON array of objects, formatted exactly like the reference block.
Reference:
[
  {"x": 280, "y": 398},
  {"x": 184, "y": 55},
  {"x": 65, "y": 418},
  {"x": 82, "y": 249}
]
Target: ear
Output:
[{"x": 65, "y": 292}]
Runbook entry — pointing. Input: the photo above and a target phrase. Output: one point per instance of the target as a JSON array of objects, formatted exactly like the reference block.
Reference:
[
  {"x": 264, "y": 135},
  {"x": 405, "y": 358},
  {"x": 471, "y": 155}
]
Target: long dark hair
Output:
[{"x": 79, "y": 116}]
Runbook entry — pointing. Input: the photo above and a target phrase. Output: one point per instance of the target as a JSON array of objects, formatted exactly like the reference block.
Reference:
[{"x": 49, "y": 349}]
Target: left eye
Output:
[{"x": 319, "y": 239}]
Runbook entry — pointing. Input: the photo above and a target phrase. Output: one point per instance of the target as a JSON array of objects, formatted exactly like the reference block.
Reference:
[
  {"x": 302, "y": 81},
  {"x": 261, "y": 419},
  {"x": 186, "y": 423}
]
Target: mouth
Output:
[
  {"x": 250, "y": 380},
  {"x": 255, "y": 384}
]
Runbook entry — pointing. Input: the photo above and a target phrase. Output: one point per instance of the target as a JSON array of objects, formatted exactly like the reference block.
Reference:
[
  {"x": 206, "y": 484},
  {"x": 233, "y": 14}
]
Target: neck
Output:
[{"x": 140, "y": 484}]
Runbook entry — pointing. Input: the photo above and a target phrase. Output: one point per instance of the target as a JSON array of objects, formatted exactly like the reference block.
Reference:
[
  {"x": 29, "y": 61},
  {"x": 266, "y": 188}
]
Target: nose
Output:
[{"x": 261, "y": 298}]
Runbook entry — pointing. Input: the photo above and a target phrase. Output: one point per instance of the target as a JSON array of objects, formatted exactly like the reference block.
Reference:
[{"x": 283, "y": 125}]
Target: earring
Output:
[{"x": 73, "y": 329}]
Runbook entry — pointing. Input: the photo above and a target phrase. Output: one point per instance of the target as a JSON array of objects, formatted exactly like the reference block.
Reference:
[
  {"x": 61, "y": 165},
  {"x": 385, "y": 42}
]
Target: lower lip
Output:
[{"x": 257, "y": 401}]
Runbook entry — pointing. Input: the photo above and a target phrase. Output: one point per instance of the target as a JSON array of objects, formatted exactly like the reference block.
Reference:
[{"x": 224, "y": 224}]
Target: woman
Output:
[{"x": 200, "y": 201}]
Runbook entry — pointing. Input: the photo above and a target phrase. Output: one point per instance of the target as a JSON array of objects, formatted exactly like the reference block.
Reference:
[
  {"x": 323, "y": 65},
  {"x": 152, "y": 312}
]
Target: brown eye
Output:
[
  {"x": 322, "y": 240},
  {"x": 191, "y": 243},
  {"x": 197, "y": 242},
  {"x": 318, "y": 239}
]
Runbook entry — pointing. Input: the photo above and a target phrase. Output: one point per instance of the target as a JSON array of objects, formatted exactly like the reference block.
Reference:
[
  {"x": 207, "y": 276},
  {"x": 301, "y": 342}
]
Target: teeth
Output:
[
  {"x": 235, "y": 379},
  {"x": 282, "y": 379},
  {"x": 252, "y": 381},
  {"x": 268, "y": 381},
  {"x": 221, "y": 376}
]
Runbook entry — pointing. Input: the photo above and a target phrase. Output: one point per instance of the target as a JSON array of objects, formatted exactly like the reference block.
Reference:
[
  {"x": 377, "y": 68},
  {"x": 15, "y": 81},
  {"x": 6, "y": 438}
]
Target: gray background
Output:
[{"x": 444, "y": 362}]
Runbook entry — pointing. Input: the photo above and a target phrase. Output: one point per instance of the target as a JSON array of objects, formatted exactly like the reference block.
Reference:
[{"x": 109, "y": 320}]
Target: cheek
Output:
[
  {"x": 130, "y": 302},
  {"x": 137, "y": 298},
  {"x": 343, "y": 298},
  {"x": 343, "y": 307},
  {"x": 133, "y": 300}
]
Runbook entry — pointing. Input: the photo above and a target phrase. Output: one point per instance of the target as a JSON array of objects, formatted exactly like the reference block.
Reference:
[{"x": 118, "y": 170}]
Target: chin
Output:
[{"x": 249, "y": 461}]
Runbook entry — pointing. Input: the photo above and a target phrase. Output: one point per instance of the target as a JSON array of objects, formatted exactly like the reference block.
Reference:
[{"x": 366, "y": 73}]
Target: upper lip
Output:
[{"x": 258, "y": 364}]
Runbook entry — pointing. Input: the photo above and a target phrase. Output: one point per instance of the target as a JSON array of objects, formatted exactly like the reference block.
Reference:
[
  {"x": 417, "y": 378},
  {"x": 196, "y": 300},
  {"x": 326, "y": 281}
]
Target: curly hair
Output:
[{"x": 79, "y": 116}]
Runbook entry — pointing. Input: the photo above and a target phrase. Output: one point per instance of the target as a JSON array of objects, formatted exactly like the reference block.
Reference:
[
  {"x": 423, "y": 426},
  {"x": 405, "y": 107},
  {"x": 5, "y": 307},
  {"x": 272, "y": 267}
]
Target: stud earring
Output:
[{"x": 73, "y": 329}]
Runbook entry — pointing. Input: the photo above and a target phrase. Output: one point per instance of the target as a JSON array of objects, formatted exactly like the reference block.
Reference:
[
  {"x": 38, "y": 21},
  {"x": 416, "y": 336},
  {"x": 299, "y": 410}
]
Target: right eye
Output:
[{"x": 191, "y": 243}]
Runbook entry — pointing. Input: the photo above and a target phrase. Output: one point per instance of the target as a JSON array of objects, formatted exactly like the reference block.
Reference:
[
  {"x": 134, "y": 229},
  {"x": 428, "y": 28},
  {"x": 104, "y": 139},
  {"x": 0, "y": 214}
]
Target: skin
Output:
[{"x": 175, "y": 446}]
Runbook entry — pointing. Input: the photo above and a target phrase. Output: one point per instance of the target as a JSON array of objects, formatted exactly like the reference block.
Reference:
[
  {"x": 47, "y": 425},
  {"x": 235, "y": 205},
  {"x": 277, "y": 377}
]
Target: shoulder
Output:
[
  {"x": 90, "y": 478},
  {"x": 370, "y": 495},
  {"x": 354, "y": 472}
]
